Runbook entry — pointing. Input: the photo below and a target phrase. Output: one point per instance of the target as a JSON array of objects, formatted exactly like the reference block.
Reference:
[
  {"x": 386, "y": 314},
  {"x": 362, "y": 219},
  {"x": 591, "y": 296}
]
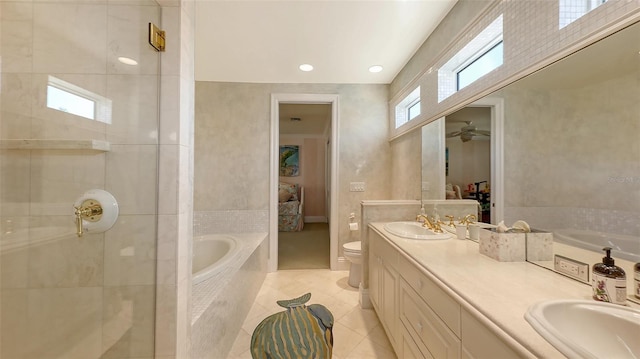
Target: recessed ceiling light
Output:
[
  {"x": 306, "y": 67},
  {"x": 375, "y": 68},
  {"x": 127, "y": 61}
]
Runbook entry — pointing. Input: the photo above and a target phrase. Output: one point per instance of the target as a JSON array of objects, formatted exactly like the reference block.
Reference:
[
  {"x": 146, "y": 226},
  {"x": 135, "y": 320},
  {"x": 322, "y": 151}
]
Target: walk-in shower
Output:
[{"x": 79, "y": 112}]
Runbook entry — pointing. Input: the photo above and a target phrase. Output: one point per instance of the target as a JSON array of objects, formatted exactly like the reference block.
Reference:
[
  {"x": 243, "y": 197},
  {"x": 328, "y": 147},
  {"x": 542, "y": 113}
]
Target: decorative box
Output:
[
  {"x": 539, "y": 246},
  {"x": 503, "y": 247}
]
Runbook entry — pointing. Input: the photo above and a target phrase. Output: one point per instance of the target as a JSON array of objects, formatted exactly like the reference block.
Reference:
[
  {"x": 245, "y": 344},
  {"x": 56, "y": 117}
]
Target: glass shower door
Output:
[{"x": 79, "y": 111}]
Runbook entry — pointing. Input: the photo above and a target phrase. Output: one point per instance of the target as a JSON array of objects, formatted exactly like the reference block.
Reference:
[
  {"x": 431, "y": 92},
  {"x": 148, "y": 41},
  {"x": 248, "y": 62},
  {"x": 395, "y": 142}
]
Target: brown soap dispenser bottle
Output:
[{"x": 609, "y": 281}]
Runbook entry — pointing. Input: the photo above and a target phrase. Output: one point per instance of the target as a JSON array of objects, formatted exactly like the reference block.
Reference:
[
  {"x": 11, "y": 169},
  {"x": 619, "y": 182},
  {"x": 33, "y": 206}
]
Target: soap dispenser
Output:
[{"x": 609, "y": 281}]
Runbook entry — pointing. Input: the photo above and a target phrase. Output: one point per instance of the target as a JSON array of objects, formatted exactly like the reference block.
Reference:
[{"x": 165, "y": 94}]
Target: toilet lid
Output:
[{"x": 353, "y": 246}]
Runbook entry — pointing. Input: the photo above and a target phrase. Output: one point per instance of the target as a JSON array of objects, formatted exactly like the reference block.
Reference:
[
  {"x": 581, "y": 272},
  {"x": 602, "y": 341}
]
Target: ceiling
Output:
[
  {"x": 308, "y": 119},
  {"x": 265, "y": 41}
]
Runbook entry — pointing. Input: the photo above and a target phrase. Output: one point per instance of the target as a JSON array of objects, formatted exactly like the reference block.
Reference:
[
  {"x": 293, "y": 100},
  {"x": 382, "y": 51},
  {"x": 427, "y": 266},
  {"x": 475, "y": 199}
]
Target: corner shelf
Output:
[{"x": 34, "y": 144}]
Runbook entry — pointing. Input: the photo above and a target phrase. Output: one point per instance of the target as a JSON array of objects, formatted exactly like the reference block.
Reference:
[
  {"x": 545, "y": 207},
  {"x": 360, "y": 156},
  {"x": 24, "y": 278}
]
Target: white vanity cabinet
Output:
[
  {"x": 425, "y": 323},
  {"x": 383, "y": 285},
  {"x": 480, "y": 342},
  {"x": 421, "y": 319}
]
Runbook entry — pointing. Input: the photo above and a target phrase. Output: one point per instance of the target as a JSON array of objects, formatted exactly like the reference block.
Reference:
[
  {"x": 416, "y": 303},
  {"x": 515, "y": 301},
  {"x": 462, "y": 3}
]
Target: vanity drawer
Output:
[
  {"x": 426, "y": 327},
  {"x": 410, "y": 349},
  {"x": 445, "y": 307}
]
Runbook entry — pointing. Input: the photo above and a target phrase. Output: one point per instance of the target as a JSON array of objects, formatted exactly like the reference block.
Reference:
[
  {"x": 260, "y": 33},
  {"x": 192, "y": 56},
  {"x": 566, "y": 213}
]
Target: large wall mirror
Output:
[{"x": 571, "y": 151}]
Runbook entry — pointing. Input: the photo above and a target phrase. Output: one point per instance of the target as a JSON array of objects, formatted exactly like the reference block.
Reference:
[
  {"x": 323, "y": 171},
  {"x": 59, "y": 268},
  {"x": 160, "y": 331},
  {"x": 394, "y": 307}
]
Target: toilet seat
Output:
[{"x": 353, "y": 247}]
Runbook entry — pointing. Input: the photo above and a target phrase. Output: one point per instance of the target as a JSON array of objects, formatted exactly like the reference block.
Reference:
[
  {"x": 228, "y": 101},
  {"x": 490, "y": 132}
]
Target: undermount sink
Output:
[
  {"x": 413, "y": 230},
  {"x": 588, "y": 329}
]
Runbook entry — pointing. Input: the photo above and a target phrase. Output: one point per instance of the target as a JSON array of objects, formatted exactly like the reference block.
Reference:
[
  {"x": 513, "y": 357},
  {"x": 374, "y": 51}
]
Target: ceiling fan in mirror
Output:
[{"x": 466, "y": 133}]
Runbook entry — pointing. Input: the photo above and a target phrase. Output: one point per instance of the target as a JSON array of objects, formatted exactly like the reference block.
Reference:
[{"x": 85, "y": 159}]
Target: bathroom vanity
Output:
[{"x": 443, "y": 299}]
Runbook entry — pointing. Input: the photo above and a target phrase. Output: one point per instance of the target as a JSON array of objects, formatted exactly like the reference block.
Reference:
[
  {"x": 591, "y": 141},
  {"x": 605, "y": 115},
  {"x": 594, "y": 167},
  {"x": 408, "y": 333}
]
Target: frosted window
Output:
[
  {"x": 414, "y": 110},
  {"x": 67, "y": 97},
  {"x": 408, "y": 108},
  {"x": 478, "y": 57},
  {"x": 484, "y": 64},
  {"x": 572, "y": 10},
  {"x": 64, "y": 101}
]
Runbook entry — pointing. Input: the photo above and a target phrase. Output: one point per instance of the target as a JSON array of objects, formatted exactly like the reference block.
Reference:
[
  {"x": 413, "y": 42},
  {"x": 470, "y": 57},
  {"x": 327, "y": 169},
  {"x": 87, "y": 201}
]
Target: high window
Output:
[
  {"x": 67, "y": 97},
  {"x": 572, "y": 10},
  {"x": 408, "y": 108},
  {"x": 486, "y": 62},
  {"x": 480, "y": 56}
]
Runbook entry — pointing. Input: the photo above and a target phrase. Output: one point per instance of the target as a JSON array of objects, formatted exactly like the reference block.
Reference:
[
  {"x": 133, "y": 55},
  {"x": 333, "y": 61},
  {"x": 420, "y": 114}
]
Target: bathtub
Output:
[
  {"x": 622, "y": 246},
  {"x": 210, "y": 254}
]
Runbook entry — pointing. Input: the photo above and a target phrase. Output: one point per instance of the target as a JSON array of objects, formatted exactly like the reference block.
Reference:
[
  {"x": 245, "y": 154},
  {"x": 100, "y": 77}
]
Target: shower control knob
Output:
[{"x": 95, "y": 211}]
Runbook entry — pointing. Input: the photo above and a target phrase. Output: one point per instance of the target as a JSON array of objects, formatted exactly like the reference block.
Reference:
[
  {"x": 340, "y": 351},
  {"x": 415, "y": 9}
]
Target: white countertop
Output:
[{"x": 501, "y": 291}]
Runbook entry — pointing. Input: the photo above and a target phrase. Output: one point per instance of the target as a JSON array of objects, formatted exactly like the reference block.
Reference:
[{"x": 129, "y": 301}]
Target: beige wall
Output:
[
  {"x": 432, "y": 162},
  {"x": 405, "y": 175},
  {"x": 232, "y": 145}
]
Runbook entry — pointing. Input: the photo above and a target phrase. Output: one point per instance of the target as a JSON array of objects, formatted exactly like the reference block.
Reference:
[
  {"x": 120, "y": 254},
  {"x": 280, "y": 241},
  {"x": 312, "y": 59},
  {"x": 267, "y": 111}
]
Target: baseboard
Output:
[
  {"x": 315, "y": 219},
  {"x": 343, "y": 264}
]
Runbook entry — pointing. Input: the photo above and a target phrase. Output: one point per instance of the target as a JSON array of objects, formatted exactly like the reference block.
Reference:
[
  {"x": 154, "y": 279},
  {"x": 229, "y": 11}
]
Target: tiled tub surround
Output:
[
  {"x": 500, "y": 292},
  {"x": 205, "y": 292},
  {"x": 221, "y": 303}
]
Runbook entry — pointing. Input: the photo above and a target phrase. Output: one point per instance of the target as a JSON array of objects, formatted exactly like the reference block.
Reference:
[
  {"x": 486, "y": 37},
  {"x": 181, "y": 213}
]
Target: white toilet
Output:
[{"x": 353, "y": 253}]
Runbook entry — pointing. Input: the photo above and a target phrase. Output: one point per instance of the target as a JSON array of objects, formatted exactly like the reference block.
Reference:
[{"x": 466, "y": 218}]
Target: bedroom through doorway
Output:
[{"x": 304, "y": 186}]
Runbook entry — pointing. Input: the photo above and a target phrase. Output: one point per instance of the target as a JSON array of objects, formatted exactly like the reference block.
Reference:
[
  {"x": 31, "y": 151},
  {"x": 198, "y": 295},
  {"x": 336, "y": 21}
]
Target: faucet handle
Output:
[{"x": 450, "y": 218}]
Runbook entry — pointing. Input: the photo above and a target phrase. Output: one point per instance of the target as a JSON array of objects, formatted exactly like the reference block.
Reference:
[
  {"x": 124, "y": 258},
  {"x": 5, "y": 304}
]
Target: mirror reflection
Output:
[
  {"x": 571, "y": 149},
  {"x": 468, "y": 157}
]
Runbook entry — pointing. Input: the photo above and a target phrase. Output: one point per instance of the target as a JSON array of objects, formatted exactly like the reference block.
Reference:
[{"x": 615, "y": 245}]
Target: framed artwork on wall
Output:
[{"x": 289, "y": 160}]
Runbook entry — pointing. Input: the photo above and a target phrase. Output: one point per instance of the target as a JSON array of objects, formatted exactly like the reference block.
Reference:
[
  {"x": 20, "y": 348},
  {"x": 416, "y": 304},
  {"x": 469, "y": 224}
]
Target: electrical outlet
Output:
[
  {"x": 356, "y": 187},
  {"x": 571, "y": 268}
]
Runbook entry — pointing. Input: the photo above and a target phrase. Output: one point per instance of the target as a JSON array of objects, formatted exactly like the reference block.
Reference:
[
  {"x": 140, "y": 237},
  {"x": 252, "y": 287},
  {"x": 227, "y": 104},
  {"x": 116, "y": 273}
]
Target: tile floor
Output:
[{"x": 357, "y": 332}]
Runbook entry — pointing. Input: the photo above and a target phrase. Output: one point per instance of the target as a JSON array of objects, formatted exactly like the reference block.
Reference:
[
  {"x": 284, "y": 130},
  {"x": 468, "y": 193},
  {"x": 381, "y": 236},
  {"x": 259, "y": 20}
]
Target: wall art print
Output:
[{"x": 289, "y": 160}]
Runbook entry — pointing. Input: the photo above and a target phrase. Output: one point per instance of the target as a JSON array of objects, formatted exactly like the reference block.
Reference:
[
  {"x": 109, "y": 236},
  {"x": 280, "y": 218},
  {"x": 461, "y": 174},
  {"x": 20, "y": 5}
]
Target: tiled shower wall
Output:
[{"x": 93, "y": 296}]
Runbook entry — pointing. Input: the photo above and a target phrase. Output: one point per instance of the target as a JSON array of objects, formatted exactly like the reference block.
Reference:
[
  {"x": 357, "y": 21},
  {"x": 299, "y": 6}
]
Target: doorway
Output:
[
  {"x": 303, "y": 226},
  {"x": 328, "y": 214},
  {"x": 474, "y": 158}
]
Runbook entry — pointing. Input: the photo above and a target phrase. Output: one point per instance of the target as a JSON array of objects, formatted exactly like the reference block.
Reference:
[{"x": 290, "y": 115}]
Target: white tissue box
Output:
[
  {"x": 539, "y": 246},
  {"x": 503, "y": 247}
]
